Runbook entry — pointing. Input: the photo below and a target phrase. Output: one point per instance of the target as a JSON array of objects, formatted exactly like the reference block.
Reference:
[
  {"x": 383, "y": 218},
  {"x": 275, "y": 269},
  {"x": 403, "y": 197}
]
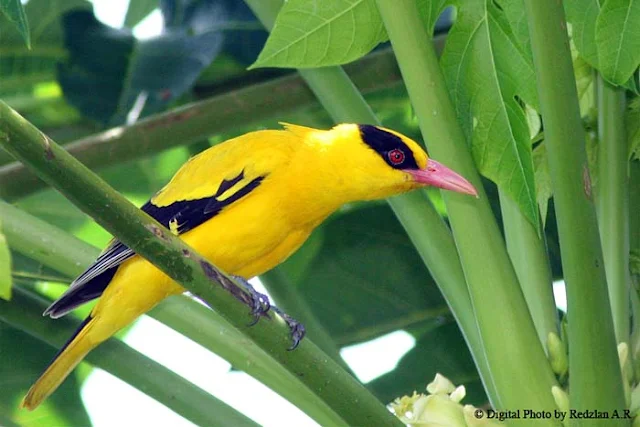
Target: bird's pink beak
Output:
[{"x": 440, "y": 176}]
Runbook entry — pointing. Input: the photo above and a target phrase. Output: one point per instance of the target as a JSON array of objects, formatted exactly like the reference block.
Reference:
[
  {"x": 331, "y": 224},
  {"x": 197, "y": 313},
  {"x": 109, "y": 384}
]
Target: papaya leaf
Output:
[
  {"x": 544, "y": 191},
  {"x": 633, "y": 128},
  {"x": 487, "y": 71},
  {"x": 585, "y": 82},
  {"x": 618, "y": 39},
  {"x": 367, "y": 279},
  {"x": 430, "y": 13},
  {"x": 14, "y": 12},
  {"x": 21, "y": 68},
  {"x": 332, "y": 32},
  {"x": 582, "y": 15},
  {"x": 313, "y": 34}
]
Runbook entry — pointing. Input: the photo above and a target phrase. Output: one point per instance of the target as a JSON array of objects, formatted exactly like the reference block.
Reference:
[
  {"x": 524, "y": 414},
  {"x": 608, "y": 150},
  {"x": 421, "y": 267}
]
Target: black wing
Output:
[{"x": 180, "y": 216}]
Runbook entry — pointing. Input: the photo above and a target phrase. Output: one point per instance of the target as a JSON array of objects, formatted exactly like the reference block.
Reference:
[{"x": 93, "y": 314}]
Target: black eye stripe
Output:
[{"x": 384, "y": 143}]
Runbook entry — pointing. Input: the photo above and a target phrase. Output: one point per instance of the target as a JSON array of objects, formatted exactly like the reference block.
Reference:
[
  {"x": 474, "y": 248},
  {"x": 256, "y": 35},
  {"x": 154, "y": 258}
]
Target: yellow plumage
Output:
[{"x": 293, "y": 179}]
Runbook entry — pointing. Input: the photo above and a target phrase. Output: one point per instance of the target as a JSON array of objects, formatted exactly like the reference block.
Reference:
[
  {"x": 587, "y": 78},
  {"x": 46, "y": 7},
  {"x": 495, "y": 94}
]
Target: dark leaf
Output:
[{"x": 367, "y": 278}]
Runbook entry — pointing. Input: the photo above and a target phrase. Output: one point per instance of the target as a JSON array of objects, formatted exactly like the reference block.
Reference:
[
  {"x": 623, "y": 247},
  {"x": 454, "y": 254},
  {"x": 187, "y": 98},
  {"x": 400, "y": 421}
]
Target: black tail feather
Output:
[{"x": 75, "y": 297}]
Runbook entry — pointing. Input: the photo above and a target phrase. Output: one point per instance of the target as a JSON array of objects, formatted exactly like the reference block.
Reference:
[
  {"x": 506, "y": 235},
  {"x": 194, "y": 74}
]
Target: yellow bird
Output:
[{"x": 245, "y": 205}]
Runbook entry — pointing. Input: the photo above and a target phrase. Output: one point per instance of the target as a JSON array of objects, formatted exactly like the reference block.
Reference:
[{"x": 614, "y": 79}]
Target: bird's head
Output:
[{"x": 383, "y": 162}]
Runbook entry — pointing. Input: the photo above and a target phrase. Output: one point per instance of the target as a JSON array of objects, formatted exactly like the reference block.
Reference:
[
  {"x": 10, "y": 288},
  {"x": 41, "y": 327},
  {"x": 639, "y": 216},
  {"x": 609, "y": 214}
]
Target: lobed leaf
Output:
[
  {"x": 14, "y": 12},
  {"x": 310, "y": 34},
  {"x": 21, "y": 68},
  {"x": 430, "y": 11},
  {"x": 322, "y": 33},
  {"x": 487, "y": 71},
  {"x": 618, "y": 39},
  {"x": 544, "y": 190},
  {"x": 585, "y": 84},
  {"x": 366, "y": 279},
  {"x": 582, "y": 15},
  {"x": 632, "y": 121}
]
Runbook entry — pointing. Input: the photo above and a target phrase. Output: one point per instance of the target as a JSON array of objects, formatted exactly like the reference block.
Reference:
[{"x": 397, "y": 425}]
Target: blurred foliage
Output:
[
  {"x": 19, "y": 366},
  {"x": 132, "y": 78},
  {"x": 14, "y": 12},
  {"x": 5, "y": 267}
]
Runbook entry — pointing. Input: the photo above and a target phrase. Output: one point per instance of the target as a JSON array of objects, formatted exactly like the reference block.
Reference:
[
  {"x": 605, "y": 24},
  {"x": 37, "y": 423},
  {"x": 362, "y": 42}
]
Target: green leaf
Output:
[
  {"x": 591, "y": 145},
  {"x": 618, "y": 39},
  {"x": 22, "y": 68},
  {"x": 514, "y": 12},
  {"x": 310, "y": 34},
  {"x": 582, "y": 15},
  {"x": 534, "y": 122},
  {"x": 430, "y": 11},
  {"x": 29, "y": 75},
  {"x": 138, "y": 10},
  {"x": 633, "y": 128},
  {"x": 544, "y": 191},
  {"x": 487, "y": 70},
  {"x": 5, "y": 268},
  {"x": 584, "y": 84},
  {"x": 634, "y": 262},
  {"x": 14, "y": 11}
]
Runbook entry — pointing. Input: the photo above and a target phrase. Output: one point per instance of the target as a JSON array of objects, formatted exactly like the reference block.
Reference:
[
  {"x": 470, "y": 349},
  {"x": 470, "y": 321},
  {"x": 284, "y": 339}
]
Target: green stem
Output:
[
  {"x": 612, "y": 198},
  {"x": 594, "y": 369},
  {"x": 193, "y": 122},
  {"x": 348, "y": 398},
  {"x": 491, "y": 280},
  {"x": 528, "y": 254},
  {"x": 151, "y": 378},
  {"x": 287, "y": 297},
  {"x": 61, "y": 251}
]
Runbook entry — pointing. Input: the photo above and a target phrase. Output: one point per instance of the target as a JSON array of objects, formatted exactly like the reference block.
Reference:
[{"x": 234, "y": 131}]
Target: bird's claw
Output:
[
  {"x": 260, "y": 305},
  {"x": 296, "y": 328}
]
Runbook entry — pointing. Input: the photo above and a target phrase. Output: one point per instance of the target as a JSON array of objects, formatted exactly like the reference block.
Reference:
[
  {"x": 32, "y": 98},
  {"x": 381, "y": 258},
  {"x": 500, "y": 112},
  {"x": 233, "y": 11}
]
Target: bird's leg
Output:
[
  {"x": 297, "y": 329},
  {"x": 260, "y": 306}
]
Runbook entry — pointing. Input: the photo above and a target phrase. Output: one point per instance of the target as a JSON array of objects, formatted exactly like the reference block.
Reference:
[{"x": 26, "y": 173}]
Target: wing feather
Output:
[{"x": 185, "y": 214}]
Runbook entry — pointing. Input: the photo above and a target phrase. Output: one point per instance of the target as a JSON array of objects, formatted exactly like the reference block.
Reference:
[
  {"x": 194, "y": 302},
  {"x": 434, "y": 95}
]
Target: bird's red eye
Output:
[{"x": 396, "y": 156}]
